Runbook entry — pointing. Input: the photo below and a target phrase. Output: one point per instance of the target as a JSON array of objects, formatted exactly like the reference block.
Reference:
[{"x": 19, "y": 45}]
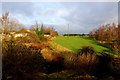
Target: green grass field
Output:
[{"x": 76, "y": 42}]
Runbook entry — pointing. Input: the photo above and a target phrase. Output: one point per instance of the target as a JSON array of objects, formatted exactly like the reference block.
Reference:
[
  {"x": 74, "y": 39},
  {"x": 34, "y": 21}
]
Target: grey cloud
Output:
[
  {"x": 24, "y": 8},
  {"x": 49, "y": 12},
  {"x": 87, "y": 16}
]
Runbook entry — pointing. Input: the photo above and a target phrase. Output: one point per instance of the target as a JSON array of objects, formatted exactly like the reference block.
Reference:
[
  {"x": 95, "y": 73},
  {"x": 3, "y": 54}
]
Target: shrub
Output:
[
  {"x": 55, "y": 33},
  {"x": 56, "y": 65},
  {"x": 86, "y": 50},
  {"x": 83, "y": 63},
  {"x": 19, "y": 60},
  {"x": 115, "y": 66},
  {"x": 87, "y": 64},
  {"x": 40, "y": 32},
  {"x": 87, "y": 60},
  {"x": 39, "y": 46},
  {"x": 70, "y": 61}
]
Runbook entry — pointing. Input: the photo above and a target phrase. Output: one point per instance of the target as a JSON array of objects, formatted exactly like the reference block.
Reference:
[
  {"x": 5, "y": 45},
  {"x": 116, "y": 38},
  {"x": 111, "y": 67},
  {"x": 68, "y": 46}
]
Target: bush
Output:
[
  {"x": 55, "y": 64},
  {"x": 103, "y": 67},
  {"x": 86, "y": 50},
  {"x": 55, "y": 33},
  {"x": 19, "y": 60},
  {"x": 87, "y": 60},
  {"x": 83, "y": 63},
  {"x": 115, "y": 66},
  {"x": 70, "y": 61}
]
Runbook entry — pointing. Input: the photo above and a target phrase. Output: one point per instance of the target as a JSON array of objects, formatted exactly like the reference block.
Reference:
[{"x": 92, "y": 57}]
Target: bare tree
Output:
[
  {"x": 9, "y": 24},
  {"x": 110, "y": 34}
]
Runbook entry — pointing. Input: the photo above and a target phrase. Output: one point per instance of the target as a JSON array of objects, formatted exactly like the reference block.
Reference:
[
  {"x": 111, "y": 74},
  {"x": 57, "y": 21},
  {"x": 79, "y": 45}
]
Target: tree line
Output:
[
  {"x": 7, "y": 25},
  {"x": 108, "y": 34}
]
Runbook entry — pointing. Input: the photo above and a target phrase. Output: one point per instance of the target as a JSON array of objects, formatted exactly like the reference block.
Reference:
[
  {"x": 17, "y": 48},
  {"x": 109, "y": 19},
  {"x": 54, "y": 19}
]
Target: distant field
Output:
[{"x": 76, "y": 42}]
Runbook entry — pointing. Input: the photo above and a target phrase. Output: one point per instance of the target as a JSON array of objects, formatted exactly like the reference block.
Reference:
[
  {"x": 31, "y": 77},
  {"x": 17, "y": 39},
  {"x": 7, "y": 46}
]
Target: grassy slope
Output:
[{"x": 75, "y": 43}]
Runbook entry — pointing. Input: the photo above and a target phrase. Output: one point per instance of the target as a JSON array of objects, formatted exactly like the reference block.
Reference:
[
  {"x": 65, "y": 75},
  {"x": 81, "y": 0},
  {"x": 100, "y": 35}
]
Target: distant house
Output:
[
  {"x": 46, "y": 34},
  {"x": 75, "y": 34}
]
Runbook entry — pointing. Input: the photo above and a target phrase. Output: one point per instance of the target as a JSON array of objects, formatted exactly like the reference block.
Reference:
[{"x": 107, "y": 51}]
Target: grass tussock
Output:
[{"x": 84, "y": 62}]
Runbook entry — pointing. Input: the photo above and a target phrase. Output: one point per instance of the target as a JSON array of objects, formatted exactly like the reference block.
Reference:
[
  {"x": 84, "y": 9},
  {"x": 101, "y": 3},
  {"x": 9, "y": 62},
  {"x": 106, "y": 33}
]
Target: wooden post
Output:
[{"x": 68, "y": 30}]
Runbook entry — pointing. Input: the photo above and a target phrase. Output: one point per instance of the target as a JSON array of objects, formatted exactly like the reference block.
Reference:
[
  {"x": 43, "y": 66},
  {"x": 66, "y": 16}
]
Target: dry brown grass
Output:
[
  {"x": 87, "y": 63},
  {"x": 47, "y": 54},
  {"x": 54, "y": 50},
  {"x": 57, "y": 48},
  {"x": 83, "y": 63}
]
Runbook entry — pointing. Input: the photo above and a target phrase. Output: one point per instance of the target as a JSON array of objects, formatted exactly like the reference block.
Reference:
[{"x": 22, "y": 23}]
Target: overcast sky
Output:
[{"x": 81, "y": 16}]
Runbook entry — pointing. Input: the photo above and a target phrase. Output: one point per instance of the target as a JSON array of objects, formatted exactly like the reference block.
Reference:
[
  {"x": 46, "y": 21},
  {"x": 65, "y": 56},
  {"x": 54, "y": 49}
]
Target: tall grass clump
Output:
[
  {"x": 84, "y": 62},
  {"x": 87, "y": 60}
]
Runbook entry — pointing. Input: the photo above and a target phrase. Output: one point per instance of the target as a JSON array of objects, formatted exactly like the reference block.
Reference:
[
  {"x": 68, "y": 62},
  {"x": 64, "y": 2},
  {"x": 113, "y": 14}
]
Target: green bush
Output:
[{"x": 40, "y": 32}]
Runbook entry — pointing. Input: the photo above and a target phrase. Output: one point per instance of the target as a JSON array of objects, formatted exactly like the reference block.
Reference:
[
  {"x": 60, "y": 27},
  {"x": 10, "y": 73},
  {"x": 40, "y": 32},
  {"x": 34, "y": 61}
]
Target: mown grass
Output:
[{"x": 77, "y": 42}]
